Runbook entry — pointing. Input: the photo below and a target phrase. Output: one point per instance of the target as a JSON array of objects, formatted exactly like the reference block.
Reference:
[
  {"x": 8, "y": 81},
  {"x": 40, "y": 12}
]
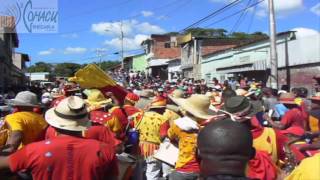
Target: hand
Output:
[{"x": 266, "y": 117}]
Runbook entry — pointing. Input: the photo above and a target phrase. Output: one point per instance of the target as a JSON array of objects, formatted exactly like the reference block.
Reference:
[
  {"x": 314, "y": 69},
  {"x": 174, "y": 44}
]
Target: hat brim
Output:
[
  {"x": 184, "y": 104},
  {"x": 66, "y": 124},
  {"x": 288, "y": 102},
  {"x": 14, "y": 102},
  {"x": 173, "y": 99},
  {"x": 157, "y": 107}
]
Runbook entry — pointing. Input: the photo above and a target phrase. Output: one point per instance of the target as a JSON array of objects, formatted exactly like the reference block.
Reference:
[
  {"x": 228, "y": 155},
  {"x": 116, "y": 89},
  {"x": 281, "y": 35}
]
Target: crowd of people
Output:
[{"x": 154, "y": 129}]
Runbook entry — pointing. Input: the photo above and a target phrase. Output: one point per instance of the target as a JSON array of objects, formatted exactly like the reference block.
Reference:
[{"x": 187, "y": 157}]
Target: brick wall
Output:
[
  {"x": 300, "y": 76},
  {"x": 160, "y": 52}
]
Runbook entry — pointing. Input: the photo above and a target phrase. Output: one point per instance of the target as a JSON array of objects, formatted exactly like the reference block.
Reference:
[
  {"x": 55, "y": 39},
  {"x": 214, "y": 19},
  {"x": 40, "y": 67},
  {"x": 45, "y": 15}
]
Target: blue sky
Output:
[{"x": 83, "y": 24}]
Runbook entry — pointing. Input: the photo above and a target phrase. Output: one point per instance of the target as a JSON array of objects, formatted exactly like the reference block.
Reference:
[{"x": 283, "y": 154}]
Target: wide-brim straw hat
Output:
[
  {"x": 147, "y": 93},
  {"x": 70, "y": 114},
  {"x": 97, "y": 99},
  {"x": 176, "y": 94},
  {"x": 197, "y": 105},
  {"x": 287, "y": 98},
  {"x": 158, "y": 102},
  {"x": 24, "y": 98}
]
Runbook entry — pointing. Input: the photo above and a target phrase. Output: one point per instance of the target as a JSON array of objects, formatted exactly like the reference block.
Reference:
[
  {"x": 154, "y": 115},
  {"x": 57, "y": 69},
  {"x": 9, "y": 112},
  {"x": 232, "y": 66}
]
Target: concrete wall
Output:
[{"x": 140, "y": 63}]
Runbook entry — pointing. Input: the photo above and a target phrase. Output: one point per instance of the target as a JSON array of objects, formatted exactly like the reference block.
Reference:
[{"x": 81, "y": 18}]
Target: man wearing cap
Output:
[
  {"x": 129, "y": 104},
  {"x": 25, "y": 125},
  {"x": 185, "y": 131},
  {"x": 67, "y": 156},
  {"x": 149, "y": 125}
]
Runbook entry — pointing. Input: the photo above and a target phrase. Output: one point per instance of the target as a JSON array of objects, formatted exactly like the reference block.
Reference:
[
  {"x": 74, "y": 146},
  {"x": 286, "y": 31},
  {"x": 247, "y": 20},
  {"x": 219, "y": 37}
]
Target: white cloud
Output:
[
  {"x": 128, "y": 43},
  {"x": 71, "y": 36},
  {"x": 162, "y": 17},
  {"x": 284, "y": 8},
  {"x": 129, "y": 28},
  {"x": 316, "y": 9},
  {"x": 74, "y": 50},
  {"x": 147, "y": 13},
  {"x": 303, "y": 32},
  {"x": 148, "y": 28},
  {"x": 46, "y": 52}
]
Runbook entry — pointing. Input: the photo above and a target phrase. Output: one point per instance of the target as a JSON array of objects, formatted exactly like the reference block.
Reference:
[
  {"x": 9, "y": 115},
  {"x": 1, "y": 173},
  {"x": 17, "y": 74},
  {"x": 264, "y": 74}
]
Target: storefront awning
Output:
[
  {"x": 158, "y": 62},
  {"x": 242, "y": 67}
]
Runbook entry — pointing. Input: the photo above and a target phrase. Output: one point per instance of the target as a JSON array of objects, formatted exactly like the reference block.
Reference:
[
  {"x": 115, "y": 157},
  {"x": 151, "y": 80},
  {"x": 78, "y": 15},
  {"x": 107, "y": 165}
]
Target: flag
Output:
[{"x": 92, "y": 76}]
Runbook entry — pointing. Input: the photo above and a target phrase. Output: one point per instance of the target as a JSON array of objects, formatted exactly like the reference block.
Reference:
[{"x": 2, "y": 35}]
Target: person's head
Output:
[
  {"x": 158, "y": 105},
  {"x": 131, "y": 99},
  {"x": 295, "y": 91},
  {"x": 70, "y": 116},
  {"x": 195, "y": 107},
  {"x": 227, "y": 93},
  {"x": 288, "y": 99},
  {"x": 303, "y": 92},
  {"x": 24, "y": 101},
  {"x": 224, "y": 147}
]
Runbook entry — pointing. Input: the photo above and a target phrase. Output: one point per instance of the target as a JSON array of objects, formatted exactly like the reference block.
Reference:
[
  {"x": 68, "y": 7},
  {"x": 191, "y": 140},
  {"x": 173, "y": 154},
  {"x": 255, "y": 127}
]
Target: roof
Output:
[{"x": 253, "y": 41}]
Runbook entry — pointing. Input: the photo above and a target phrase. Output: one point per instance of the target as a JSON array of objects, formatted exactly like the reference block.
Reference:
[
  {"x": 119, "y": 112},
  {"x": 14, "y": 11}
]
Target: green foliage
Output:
[
  {"x": 105, "y": 65},
  {"x": 66, "y": 69},
  {"x": 40, "y": 67},
  {"x": 210, "y": 32},
  {"x": 222, "y": 33}
]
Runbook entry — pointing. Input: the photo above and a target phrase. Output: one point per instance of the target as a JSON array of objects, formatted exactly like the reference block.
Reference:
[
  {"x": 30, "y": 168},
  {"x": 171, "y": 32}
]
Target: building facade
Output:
[
  {"x": 298, "y": 60},
  {"x": 194, "y": 48},
  {"x": 159, "y": 50},
  {"x": 8, "y": 42}
]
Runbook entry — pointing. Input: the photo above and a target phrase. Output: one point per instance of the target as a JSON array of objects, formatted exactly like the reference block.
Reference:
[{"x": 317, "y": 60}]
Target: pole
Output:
[
  {"x": 100, "y": 56},
  {"x": 122, "y": 36},
  {"x": 273, "y": 47}
]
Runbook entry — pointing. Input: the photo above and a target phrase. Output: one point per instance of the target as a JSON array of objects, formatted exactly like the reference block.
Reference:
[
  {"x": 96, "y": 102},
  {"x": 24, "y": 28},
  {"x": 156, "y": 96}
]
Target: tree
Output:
[
  {"x": 217, "y": 33},
  {"x": 40, "y": 67},
  {"x": 105, "y": 65},
  {"x": 66, "y": 69}
]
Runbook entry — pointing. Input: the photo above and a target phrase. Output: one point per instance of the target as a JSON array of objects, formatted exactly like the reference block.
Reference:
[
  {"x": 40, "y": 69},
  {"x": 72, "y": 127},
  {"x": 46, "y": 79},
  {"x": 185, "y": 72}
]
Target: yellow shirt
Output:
[
  {"x": 114, "y": 125},
  {"x": 187, "y": 144},
  {"x": 32, "y": 126},
  {"x": 307, "y": 170},
  {"x": 170, "y": 115},
  {"x": 149, "y": 126},
  {"x": 267, "y": 142}
]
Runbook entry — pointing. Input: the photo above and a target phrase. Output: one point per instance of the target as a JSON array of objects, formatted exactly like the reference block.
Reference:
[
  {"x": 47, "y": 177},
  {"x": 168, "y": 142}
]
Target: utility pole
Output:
[
  {"x": 273, "y": 47},
  {"x": 122, "y": 37},
  {"x": 99, "y": 54}
]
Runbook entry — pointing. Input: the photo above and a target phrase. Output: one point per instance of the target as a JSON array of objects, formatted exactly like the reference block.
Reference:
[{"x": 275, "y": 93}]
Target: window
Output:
[{"x": 167, "y": 45}]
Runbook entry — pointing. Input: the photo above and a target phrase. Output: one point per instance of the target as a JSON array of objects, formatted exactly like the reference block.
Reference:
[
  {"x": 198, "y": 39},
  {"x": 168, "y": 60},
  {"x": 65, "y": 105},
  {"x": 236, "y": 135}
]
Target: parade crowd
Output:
[{"x": 144, "y": 128}]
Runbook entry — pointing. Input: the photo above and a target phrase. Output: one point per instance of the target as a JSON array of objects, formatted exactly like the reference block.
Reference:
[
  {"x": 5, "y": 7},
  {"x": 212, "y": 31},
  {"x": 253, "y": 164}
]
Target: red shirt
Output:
[
  {"x": 66, "y": 157},
  {"x": 130, "y": 110},
  {"x": 99, "y": 133},
  {"x": 294, "y": 119}
]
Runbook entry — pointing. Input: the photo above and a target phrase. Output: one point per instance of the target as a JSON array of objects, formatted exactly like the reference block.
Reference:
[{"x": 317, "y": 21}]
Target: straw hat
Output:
[
  {"x": 70, "y": 114},
  {"x": 178, "y": 93},
  {"x": 24, "y": 98},
  {"x": 147, "y": 93},
  {"x": 196, "y": 104},
  {"x": 287, "y": 98},
  {"x": 96, "y": 99},
  {"x": 158, "y": 102},
  {"x": 241, "y": 92}
]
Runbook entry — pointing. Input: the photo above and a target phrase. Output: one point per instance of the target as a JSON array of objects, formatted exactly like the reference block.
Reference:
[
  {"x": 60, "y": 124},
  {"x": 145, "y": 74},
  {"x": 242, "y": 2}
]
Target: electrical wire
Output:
[
  {"x": 251, "y": 19},
  {"x": 211, "y": 15},
  {"x": 240, "y": 19},
  {"x": 231, "y": 15}
]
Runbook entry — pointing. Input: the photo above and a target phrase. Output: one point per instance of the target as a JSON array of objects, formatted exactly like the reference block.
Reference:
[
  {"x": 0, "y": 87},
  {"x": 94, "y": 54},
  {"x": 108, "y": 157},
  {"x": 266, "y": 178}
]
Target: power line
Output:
[
  {"x": 231, "y": 15},
  {"x": 240, "y": 19},
  {"x": 251, "y": 19},
  {"x": 233, "y": 3}
]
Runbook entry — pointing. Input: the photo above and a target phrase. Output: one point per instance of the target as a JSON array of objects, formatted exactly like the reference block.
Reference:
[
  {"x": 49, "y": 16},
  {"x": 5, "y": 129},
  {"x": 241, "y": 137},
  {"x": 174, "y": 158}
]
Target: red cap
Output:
[{"x": 132, "y": 97}]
